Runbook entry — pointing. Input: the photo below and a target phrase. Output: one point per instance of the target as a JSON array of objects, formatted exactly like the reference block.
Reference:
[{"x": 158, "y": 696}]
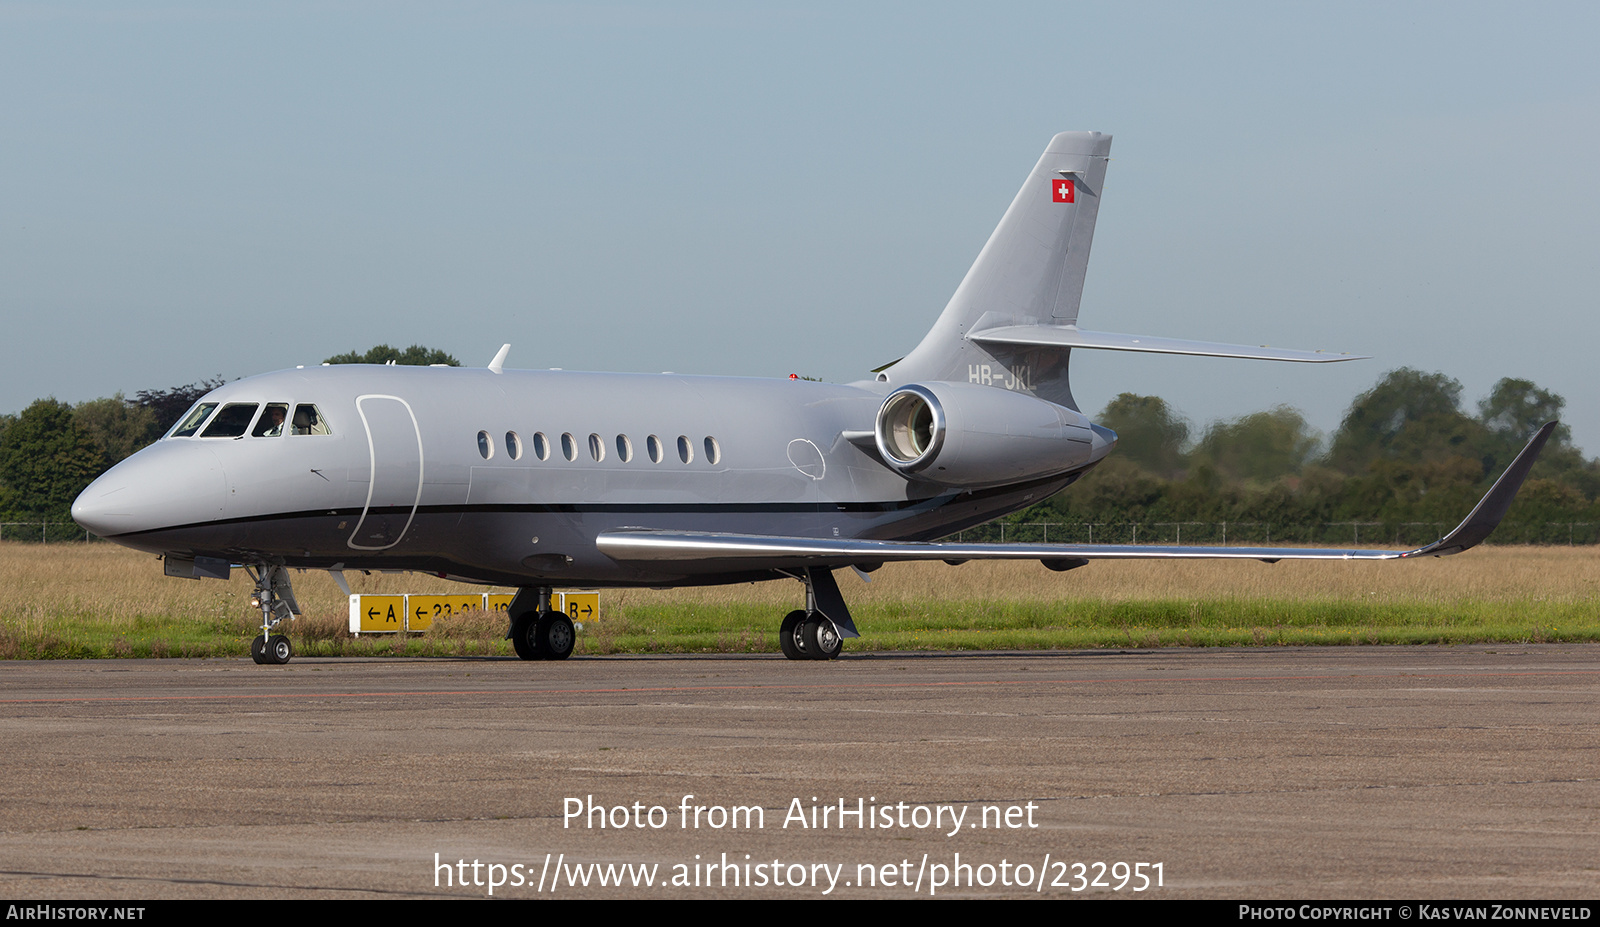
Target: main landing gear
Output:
[
  {"x": 812, "y": 637},
  {"x": 537, "y": 632},
  {"x": 817, "y": 632},
  {"x": 275, "y": 597}
]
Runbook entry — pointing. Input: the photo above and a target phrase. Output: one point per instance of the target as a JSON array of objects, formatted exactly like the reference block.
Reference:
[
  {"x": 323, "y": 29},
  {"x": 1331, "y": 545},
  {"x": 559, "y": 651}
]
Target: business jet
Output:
[{"x": 551, "y": 479}]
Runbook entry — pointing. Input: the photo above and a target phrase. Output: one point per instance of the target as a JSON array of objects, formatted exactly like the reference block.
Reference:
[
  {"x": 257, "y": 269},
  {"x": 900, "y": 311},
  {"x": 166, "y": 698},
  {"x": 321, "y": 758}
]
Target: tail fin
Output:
[{"x": 1030, "y": 273}]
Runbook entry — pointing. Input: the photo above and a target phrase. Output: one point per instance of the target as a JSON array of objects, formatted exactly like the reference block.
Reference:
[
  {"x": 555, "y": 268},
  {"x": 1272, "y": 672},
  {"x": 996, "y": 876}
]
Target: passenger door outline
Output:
[{"x": 394, "y": 442}]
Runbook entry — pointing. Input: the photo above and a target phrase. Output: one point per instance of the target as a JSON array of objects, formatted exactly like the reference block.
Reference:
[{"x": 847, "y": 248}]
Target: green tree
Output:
[
  {"x": 414, "y": 356},
  {"x": 1149, "y": 432},
  {"x": 1516, "y": 408},
  {"x": 117, "y": 427},
  {"x": 1512, "y": 412},
  {"x": 1114, "y": 491},
  {"x": 1411, "y": 416},
  {"x": 46, "y": 460},
  {"x": 1260, "y": 447},
  {"x": 168, "y": 405}
]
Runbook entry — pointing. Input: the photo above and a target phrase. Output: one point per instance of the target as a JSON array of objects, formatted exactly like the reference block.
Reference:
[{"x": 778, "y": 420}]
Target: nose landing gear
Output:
[{"x": 275, "y": 597}]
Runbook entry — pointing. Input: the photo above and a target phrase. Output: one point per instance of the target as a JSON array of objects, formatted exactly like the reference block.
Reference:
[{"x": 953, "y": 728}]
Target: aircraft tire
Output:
[
  {"x": 279, "y": 650},
  {"x": 821, "y": 638},
  {"x": 523, "y": 639},
  {"x": 789, "y": 637},
  {"x": 258, "y": 649},
  {"x": 556, "y": 636}
]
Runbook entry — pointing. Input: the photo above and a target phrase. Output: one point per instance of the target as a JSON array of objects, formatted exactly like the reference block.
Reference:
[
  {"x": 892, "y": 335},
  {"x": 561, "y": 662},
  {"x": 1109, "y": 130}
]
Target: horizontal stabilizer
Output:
[
  {"x": 1070, "y": 336},
  {"x": 720, "y": 552}
]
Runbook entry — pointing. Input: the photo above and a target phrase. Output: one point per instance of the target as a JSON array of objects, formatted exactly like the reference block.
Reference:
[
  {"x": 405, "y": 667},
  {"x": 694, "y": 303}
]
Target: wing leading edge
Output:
[{"x": 724, "y": 551}]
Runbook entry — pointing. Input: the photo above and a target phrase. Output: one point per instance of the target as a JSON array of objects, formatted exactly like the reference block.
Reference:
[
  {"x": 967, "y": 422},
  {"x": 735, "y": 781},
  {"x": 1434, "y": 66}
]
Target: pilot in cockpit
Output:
[{"x": 271, "y": 424}]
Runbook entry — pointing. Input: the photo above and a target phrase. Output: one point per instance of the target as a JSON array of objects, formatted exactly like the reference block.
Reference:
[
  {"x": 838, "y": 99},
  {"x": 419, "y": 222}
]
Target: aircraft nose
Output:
[{"x": 165, "y": 485}]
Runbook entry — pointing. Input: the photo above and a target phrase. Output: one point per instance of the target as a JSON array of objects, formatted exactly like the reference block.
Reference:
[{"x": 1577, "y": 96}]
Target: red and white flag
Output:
[{"x": 1062, "y": 190}]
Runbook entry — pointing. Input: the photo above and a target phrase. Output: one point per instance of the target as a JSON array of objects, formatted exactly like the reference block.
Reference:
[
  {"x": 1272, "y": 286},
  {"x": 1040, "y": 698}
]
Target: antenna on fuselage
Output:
[{"x": 498, "y": 365}]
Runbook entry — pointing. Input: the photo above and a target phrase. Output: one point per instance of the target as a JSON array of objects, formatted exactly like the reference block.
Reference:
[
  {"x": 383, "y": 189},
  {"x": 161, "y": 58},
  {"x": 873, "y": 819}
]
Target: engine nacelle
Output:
[{"x": 964, "y": 434}]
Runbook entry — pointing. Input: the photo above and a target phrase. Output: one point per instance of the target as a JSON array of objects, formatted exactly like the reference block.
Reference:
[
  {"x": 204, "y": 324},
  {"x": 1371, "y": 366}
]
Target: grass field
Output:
[{"x": 99, "y": 600}]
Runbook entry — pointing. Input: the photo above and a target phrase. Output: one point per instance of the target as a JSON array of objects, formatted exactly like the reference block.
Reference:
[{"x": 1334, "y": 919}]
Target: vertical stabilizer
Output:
[{"x": 1030, "y": 273}]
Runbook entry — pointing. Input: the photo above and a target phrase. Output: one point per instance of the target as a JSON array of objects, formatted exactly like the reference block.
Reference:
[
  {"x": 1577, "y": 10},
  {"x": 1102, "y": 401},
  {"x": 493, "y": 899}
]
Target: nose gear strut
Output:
[{"x": 274, "y": 595}]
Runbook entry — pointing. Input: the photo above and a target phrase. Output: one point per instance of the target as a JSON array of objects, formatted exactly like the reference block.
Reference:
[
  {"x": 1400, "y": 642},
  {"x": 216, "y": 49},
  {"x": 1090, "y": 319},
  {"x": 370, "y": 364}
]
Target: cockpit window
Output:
[
  {"x": 270, "y": 425},
  {"x": 232, "y": 421},
  {"x": 191, "y": 423},
  {"x": 308, "y": 421}
]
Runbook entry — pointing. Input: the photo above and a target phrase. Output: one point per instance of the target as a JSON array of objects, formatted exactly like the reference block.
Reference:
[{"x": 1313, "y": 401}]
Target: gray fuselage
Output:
[{"x": 440, "y": 470}]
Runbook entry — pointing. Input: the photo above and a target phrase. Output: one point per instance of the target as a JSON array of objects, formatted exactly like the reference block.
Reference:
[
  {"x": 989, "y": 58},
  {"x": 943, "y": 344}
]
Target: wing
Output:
[{"x": 718, "y": 552}]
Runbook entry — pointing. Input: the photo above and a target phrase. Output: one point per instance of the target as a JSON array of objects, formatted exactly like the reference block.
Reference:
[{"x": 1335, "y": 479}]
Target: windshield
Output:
[
  {"x": 232, "y": 421},
  {"x": 191, "y": 423}
]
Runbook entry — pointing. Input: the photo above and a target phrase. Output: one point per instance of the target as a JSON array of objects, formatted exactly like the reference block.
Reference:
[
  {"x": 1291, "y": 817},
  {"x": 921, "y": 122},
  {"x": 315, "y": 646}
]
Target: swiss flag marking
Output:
[{"x": 1062, "y": 191}]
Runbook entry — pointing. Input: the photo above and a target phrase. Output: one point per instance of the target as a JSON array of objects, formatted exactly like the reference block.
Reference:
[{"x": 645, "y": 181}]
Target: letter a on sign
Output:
[{"x": 1062, "y": 190}]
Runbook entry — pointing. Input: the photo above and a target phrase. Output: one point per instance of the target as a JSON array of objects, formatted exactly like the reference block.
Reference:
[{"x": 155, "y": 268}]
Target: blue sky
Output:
[{"x": 192, "y": 190}]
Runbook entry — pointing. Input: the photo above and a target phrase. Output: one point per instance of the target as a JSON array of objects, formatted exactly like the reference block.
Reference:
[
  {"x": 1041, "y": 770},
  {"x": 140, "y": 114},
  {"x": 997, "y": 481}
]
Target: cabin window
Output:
[
  {"x": 232, "y": 421},
  {"x": 191, "y": 423},
  {"x": 513, "y": 445},
  {"x": 308, "y": 421},
  {"x": 653, "y": 445},
  {"x": 485, "y": 446},
  {"x": 541, "y": 446},
  {"x": 569, "y": 446},
  {"x": 270, "y": 425},
  {"x": 624, "y": 448},
  {"x": 713, "y": 450},
  {"x": 685, "y": 449},
  {"x": 597, "y": 448}
]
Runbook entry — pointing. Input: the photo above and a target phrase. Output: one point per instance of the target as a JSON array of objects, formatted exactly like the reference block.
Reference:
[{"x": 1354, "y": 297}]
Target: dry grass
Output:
[
  {"x": 99, "y": 599},
  {"x": 1488, "y": 574},
  {"x": 122, "y": 586},
  {"x": 57, "y": 599}
]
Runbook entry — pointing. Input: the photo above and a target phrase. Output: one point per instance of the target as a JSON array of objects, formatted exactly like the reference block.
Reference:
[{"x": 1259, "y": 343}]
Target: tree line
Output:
[
  {"x": 1405, "y": 456},
  {"x": 1406, "y": 453}
]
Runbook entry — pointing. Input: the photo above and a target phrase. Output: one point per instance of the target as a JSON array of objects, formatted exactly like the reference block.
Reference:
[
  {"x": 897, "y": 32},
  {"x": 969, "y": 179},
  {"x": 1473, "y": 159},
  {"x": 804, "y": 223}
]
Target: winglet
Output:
[
  {"x": 499, "y": 363},
  {"x": 1485, "y": 517}
]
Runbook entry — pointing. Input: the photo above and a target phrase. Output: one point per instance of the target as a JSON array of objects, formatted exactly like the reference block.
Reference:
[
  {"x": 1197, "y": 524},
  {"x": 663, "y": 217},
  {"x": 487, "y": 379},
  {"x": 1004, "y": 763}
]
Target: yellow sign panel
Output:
[
  {"x": 377, "y": 613},
  {"x": 421, "y": 610},
  {"x": 581, "y": 606}
]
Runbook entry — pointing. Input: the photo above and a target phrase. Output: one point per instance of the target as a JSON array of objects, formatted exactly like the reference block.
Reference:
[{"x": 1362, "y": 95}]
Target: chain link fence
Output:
[
  {"x": 1261, "y": 534},
  {"x": 44, "y": 532}
]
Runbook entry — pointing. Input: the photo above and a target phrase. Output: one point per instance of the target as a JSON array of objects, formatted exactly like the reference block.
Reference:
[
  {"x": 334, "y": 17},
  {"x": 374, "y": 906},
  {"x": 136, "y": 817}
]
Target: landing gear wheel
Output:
[
  {"x": 822, "y": 640},
  {"x": 279, "y": 650},
  {"x": 790, "y": 640},
  {"x": 523, "y": 639},
  {"x": 556, "y": 636},
  {"x": 258, "y": 649}
]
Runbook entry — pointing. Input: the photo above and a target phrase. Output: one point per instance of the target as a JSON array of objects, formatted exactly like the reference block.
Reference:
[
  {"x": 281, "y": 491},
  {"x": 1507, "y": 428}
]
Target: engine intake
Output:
[
  {"x": 911, "y": 428},
  {"x": 969, "y": 435}
]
